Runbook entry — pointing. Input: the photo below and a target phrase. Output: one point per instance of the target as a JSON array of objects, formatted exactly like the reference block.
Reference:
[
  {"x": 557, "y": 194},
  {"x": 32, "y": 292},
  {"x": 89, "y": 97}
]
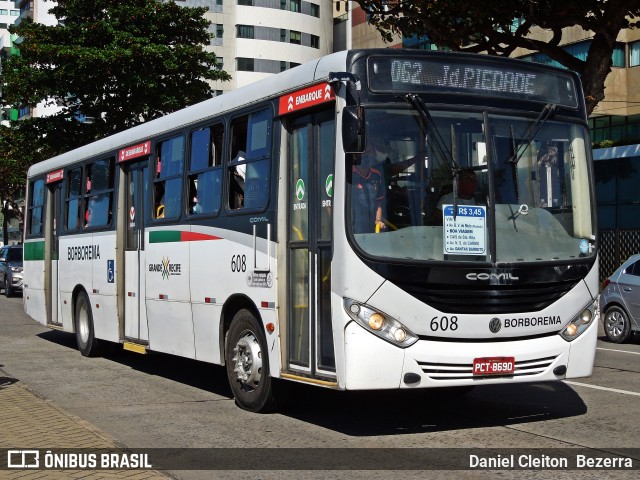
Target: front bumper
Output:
[
  {"x": 16, "y": 281},
  {"x": 372, "y": 363}
]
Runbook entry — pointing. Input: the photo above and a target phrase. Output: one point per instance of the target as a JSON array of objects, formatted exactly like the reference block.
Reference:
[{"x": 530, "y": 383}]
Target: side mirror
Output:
[{"x": 353, "y": 139}]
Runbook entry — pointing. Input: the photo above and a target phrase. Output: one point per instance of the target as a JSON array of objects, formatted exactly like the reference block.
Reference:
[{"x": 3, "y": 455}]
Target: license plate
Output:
[{"x": 494, "y": 366}]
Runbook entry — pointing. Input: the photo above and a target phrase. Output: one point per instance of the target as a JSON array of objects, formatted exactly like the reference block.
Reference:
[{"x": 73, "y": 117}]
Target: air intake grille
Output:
[
  {"x": 464, "y": 371},
  {"x": 490, "y": 300}
]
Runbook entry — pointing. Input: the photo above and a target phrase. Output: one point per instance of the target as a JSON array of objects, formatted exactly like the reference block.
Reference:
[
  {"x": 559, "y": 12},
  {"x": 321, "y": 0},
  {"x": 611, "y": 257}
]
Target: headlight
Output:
[
  {"x": 16, "y": 269},
  {"x": 580, "y": 323},
  {"x": 380, "y": 324}
]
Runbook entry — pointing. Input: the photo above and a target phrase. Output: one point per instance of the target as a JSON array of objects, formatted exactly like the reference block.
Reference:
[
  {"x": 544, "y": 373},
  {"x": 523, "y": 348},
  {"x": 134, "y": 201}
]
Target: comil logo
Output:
[
  {"x": 23, "y": 459},
  {"x": 491, "y": 276}
]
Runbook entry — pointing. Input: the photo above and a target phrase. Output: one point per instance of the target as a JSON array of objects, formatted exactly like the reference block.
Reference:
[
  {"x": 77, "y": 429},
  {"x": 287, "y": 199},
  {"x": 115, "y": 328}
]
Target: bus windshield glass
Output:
[{"x": 472, "y": 187}]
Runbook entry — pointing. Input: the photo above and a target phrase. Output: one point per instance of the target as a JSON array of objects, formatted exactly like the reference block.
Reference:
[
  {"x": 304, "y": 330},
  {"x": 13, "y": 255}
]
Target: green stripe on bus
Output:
[
  {"x": 165, "y": 236},
  {"x": 34, "y": 251}
]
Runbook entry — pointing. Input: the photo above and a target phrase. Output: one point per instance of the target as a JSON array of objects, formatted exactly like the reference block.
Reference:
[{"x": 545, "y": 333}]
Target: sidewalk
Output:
[{"x": 30, "y": 422}]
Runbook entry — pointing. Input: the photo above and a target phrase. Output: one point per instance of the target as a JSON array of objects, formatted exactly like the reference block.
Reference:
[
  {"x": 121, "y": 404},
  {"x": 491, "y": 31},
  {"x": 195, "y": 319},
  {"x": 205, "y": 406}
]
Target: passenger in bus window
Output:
[
  {"x": 236, "y": 189},
  {"x": 88, "y": 217},
  {"x": 368, "y": 195},
  {"x": 159, "y": 199},
  {"x": 197, "y": 208}
]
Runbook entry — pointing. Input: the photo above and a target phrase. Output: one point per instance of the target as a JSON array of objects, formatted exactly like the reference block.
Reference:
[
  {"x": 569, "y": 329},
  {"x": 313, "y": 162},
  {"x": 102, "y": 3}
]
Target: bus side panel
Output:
[
  {"x": 75, "y": 269},
  {"x": 103, "y": 294},
  {"x": 206, "y": 328},
  {"x": 34, "y": 298},
  {"x": 208, "y": 270},
  {"x": 170, "y": 327},
  {"x": 168, "y": 292},
  {"x": 33, "y": 273}
]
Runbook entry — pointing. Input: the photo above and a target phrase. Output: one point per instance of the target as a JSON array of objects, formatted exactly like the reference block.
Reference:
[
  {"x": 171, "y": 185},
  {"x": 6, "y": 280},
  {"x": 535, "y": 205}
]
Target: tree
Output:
[
  {"x": 13, "y": 167},
  {"x": 498, "y": 27},
  {"x": 110, "y": 64}
]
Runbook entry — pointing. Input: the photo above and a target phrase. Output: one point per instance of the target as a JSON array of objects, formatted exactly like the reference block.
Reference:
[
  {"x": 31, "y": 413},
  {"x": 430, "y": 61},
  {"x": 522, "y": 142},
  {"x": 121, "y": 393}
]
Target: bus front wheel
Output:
[
  {"x": 247, "y": 363},
  {"x": 88, "y": 344}
]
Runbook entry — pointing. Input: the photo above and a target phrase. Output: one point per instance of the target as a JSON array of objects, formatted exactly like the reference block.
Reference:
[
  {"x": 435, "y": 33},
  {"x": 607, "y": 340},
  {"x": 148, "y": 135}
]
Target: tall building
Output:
[
  {"x": 254, "y": 39},
  {"x": 9, "y": 13},
  {"x": 17, "y": 11}
]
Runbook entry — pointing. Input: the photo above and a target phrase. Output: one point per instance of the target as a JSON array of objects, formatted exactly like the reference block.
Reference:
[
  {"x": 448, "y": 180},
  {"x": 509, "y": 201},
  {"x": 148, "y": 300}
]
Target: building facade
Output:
[
  {"x": 18, "y": 10},
  {"x": 254, "y": 39}
]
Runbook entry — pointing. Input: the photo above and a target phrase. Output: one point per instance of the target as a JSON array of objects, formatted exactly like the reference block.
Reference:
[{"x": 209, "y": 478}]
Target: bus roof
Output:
[{"x": 269, "y": 87}]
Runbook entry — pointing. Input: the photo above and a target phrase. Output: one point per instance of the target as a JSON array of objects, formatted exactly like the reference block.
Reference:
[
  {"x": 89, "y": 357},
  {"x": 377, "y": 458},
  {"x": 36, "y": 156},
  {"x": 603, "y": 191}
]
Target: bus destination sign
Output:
[{"x": 449, "y": 75}]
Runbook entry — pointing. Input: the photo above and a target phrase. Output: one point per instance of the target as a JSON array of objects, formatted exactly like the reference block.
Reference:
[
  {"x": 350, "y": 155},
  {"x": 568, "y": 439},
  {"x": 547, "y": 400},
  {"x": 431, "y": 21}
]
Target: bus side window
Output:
[
  {"x": 99, "y": 193},
  {"x": 36, "y": 208},
  {"x": 248, "y": 170},
  {"x": 205, "y": 170},
  {"x": 73, "y": 197},
  {"x": 167, "y": 190}
]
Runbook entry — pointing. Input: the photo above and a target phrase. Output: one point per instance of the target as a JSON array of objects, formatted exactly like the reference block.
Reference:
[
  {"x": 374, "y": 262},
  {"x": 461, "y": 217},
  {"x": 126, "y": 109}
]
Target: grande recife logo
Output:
[{"x": 306, "y": 98}]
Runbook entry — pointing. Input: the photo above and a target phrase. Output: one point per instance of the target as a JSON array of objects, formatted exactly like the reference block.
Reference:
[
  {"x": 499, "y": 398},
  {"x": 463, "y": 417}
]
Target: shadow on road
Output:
[{"x": 371, "y": 413}]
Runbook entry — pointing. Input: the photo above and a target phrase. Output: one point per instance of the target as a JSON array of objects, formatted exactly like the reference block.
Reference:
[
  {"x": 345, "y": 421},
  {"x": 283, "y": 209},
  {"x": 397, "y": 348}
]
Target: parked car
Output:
[
  {"x": 620, "y": 301},
  {"x": 11, "y": 269}
]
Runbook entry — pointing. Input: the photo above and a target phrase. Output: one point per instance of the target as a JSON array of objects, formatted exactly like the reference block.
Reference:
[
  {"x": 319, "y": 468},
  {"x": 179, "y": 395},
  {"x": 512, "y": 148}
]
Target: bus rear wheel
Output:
[
  {"x": 88, "y": 344},
  {"x": 247, "y": 363}
]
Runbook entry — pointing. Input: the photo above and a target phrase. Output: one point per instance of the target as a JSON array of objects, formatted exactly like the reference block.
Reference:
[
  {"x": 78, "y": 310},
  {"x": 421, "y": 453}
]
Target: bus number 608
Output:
[
  {"x": 238, "y": 263},
  {"x": 444, "y": 323}
]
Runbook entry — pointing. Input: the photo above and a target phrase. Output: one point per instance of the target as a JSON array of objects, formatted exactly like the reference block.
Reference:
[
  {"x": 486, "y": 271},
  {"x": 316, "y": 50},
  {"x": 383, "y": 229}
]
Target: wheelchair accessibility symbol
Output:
[{"x": 110, "y": 271}]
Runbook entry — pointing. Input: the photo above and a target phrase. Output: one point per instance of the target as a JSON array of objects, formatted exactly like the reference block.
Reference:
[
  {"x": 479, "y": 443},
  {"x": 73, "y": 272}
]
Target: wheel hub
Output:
[
  {"x": 247, "y": 358},
  {"x": 615, "y": 324},
  {"x": 83, "y": 323}
]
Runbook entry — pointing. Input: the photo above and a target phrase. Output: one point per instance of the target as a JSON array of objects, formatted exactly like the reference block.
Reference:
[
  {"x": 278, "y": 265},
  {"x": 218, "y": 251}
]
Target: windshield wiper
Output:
[
  {"x": 530, "y": 132},
  {"x": 439, "y": 144}
]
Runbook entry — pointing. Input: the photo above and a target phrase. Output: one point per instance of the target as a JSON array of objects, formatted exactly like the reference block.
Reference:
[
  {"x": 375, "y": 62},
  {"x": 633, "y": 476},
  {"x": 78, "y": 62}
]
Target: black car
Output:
[{"x": 11, "y": 269}]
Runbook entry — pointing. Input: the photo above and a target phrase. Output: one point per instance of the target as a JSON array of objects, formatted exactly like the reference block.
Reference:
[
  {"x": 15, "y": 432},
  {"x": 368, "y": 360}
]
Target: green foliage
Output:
[
  {"x": 498, "y": 27},
  {"x": 116, "y": 62}
]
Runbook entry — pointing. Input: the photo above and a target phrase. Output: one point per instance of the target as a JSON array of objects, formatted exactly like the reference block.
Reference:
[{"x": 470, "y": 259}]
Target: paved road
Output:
[{"x": 160, "y": 401}]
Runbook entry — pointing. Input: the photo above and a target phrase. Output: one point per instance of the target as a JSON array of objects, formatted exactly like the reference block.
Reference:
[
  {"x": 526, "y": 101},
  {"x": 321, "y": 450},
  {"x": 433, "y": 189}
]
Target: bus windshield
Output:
[{"x": 459, "y": 186}]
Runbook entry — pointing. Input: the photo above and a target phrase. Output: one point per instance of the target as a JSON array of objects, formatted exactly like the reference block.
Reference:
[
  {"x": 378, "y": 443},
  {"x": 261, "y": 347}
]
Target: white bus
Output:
[{"x": 375, "y": 219}]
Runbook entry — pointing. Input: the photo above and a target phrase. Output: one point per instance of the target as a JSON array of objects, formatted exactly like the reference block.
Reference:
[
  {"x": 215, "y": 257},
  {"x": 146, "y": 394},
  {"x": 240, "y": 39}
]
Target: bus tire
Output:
[
  {"x": 247, "y": 363},
  {"x": 88, "y": 344},
  {"x": 617, "y": 326}
]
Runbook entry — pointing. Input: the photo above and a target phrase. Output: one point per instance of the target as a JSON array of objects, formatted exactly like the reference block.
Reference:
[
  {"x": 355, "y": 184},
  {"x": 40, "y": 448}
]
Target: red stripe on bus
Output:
[{"x": 195, "y": 237}]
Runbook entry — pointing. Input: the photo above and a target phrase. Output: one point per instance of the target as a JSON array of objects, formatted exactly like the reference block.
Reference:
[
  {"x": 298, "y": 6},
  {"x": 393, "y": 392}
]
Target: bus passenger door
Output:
[
  {"x": 135, "y": 325},
  {"x": 52, "y": 255},
  {"x": 311, "y": 165}
]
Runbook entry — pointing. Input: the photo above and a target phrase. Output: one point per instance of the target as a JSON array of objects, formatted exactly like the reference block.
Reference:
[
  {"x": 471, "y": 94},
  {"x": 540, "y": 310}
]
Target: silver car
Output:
[{"x": 620, "y": 301}]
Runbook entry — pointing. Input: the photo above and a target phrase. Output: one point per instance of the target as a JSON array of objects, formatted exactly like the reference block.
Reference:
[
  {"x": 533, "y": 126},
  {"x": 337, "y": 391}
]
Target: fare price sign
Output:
[{"x": 466, "y": 233}]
